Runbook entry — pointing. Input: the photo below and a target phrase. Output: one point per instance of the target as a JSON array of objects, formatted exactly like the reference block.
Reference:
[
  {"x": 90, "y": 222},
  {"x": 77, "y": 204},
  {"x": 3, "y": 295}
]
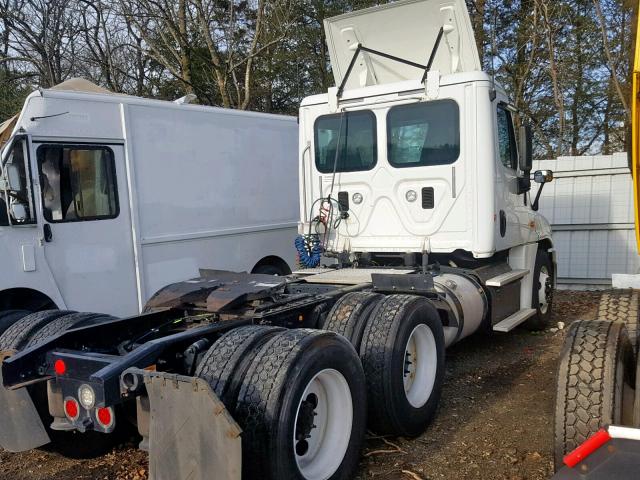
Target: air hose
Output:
[{"x": 309, "y": 250}]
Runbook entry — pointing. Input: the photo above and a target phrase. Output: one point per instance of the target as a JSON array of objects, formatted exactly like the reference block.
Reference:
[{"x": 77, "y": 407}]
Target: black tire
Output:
[
  {"x": 382, "y": 353},
  {"x": 350, "y": 313},
  {"x": 269, "y": 269},
  {"x": 18, "y": 334},
  {"x": 62, "y": 324},
  {"x": 9, "y": 317},
  {"x": 595, "y": 380},
  {"x": 272, "y": 392},
  {"x": 621, "y": 306},
  {"x": 226, "y": 362},
  {"x": 541, "y": 319}
]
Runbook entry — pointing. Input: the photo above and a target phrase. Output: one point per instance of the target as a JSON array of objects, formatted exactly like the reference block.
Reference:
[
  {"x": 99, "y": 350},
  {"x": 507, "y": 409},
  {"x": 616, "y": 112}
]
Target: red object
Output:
[
  {"x": 59, "y": 367},
  {"x": 105, "y": 416},
  {"x": 71, "y": 408},
  {"x": 590, "y": 445}
]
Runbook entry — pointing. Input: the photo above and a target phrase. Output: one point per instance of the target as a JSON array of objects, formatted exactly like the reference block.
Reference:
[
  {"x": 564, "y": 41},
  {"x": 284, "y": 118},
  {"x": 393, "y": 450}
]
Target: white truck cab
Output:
[
  {"x": 416, "y": 152},
  {"x": 106, "y": 198}
]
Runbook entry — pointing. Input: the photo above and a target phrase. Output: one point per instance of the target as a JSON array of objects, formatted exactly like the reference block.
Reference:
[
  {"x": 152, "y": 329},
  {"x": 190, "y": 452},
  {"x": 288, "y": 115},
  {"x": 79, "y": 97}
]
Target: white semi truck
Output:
[
  {"x": 107, "y": 198},
  {"x": 414, "y": 188}
]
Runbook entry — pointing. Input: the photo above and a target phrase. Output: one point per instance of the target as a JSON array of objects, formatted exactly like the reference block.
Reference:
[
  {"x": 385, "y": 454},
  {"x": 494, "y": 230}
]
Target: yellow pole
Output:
[{"x": 635, "y": 132}]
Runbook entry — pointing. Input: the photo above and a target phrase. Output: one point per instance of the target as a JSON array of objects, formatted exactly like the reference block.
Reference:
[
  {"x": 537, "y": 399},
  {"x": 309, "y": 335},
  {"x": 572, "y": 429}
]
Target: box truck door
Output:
[{"x": 87, "y": 227}]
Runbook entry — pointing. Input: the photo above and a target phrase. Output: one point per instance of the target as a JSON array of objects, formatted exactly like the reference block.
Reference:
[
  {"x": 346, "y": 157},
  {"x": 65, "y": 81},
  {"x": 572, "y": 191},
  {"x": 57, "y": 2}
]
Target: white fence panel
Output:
[{"x": 590, "y": 207}]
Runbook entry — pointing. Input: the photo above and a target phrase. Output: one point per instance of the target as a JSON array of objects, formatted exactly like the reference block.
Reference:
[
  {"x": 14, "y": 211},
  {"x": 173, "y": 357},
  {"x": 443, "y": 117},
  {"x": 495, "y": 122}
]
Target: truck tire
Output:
[
  {"x": 594, "y": 383},
  {"x": 9, "y": 317},
  {"x": 542, "y": 295},
  {"x": 302, "y": 408},
  {"x": 62, "y": 324},
  {"x": 349, "y": 315},
  {"x": 402, "y": 354},
  {"x": 18, "y": 334},
  {"x": 226, "y": 362},
  {"x": 621, "y": 306}
]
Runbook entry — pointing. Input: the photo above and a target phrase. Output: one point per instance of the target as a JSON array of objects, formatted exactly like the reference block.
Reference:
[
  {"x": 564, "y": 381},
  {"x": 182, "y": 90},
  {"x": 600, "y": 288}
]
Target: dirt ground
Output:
[{"x": 494, "y": 421}]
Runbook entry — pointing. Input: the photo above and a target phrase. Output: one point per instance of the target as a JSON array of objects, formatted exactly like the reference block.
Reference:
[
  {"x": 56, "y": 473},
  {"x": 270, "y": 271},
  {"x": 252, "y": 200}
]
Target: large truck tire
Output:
[
  {"x": 302, "y": 408},
  {"x": 18, "y": 334},
  {"x": 402, "y": 354},
  {"x": 31, "y": 330},
  {"x": 621, "y": 306},
  {"x": 595, "y": 383},
  {"x": 542, "y": 295},
  {"x": 226, "y": 362},
  {"x": 9, "y": 317},
  {"x": 350, "y": 313}
]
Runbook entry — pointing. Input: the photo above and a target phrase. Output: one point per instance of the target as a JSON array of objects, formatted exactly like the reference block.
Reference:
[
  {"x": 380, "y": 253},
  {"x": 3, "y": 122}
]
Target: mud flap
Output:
[
  {"x": 191, "y": 434},
  {"x": 20, "y": 425}
]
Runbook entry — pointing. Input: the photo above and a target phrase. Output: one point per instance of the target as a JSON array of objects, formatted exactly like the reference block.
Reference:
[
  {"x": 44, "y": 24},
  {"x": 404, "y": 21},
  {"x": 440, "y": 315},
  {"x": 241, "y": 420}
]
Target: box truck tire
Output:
[
  {"x": 402, "y": 354},
  {"x": 595, "y": 383},
  {"x": 9, "y": 317},
  {"x": 302, "y": 408}
]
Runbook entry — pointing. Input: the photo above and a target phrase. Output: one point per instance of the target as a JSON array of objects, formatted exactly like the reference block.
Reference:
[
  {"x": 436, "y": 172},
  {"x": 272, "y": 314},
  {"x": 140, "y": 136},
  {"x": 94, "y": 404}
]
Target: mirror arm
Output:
[{"x": 534, "y": 205}]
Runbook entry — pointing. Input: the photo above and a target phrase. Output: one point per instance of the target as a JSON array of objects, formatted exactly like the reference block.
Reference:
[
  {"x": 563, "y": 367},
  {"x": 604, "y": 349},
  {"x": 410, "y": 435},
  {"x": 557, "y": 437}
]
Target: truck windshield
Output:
[
  {"x": 423, "y": 134},
  {"x": 351, "y": 136},
  {"x": 16, "y": 202}
]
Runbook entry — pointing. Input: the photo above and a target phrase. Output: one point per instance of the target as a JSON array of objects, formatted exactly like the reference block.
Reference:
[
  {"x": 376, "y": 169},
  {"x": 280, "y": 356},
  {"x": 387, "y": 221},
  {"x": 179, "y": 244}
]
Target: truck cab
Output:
[{"x": 428, "y": 161}]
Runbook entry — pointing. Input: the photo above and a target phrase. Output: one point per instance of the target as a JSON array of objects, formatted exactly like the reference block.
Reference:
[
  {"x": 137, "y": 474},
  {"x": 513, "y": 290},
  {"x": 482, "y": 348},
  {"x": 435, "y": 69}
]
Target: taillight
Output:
[
  {"x": 59, "y": 367},
  {"x": 71, "y": 408},
  {"x": 105, "y": 417}
]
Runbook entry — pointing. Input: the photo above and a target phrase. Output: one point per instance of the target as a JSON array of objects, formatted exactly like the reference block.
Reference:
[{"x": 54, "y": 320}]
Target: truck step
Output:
[
  {"x": 512, "y": 321},
  {"x": 505, "y": 278}
]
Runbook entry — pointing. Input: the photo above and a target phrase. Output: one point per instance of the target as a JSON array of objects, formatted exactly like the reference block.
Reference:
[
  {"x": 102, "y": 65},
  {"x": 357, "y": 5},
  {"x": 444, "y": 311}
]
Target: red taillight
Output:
[
  {"x": 59, "y": 367},
  {"x": 71, "y": 408},
  {"x": 105, "y": 416},
  {"x": 589, "y": 446}
]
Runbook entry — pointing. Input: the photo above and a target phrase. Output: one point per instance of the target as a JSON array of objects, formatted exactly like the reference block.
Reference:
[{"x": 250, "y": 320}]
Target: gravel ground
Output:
[{"x": 494, "y": 421}]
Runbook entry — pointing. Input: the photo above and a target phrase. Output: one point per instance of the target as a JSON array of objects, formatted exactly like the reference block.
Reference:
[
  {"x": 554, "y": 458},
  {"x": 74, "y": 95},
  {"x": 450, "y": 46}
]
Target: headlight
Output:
[
  {"x": 357, "y": 198},
  {"x": 86, "y": 396},
  {"x": 411, "y": 196}
]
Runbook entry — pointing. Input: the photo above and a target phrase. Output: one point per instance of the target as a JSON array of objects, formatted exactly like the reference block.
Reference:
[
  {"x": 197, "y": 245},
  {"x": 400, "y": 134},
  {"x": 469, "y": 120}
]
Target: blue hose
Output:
[{"x": 309, "y": 250}]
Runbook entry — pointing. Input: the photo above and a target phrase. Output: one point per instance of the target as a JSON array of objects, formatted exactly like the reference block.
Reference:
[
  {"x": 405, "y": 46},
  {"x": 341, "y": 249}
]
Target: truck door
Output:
[
  {"x": 509, "y": 204},
  {"x": 86, "y": 225}
]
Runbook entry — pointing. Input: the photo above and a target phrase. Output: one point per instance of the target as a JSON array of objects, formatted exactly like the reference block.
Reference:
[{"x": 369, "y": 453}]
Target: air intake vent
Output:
[
  {"x": 427, "y": 198},
  {"x": 343, "y": 201}
]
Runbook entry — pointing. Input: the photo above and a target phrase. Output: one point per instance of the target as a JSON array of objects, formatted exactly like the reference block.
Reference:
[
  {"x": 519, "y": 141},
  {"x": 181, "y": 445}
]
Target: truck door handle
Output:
[{"x": 48, "y": 235}]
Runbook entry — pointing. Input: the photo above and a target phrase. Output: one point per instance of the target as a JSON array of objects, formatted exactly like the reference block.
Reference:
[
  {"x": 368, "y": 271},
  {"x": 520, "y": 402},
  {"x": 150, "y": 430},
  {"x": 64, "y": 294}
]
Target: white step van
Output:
[{"x": 106, "y": 198}]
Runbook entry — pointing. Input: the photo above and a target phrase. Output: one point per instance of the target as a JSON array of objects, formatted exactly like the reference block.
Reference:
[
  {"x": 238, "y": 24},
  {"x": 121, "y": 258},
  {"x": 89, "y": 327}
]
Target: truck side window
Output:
[
  {"x": 352, "y": 135},
  {"x": 78, "y": 183},
  {"x": 423, "y": 134},
  {"x": 507, "y": 139}
]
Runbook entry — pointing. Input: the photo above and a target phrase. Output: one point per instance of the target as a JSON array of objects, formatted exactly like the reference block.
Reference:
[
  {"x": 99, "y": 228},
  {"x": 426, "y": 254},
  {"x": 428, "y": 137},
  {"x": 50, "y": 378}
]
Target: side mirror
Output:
[
  {"x": 543, "y": 176},
  {"x": 525, "y": 159},
  {"x": 13, "y": 177},
  {"x": 18, "y": 212}
]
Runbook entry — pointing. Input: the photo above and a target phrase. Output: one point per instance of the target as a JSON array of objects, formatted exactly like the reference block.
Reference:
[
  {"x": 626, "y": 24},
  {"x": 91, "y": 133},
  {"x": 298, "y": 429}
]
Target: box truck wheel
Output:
[
  {"x": 542, "y": 295},
  {"x": 595, "y": 383},
  {"x": 402, "y": 353},
  {"x": 302, "y": 408},
  {"x": 18, "y": 334},
  {"x": 9, "y": 317},
  {"x": 62, "y": 324},
  {"x": 226, "y": 362},
  {"x": 350, "y": 313}
]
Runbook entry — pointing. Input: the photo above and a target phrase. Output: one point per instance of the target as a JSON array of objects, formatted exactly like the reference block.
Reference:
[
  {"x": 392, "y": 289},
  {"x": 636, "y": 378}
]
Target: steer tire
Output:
[
  {"x": 276, "y": 409},
  {"x": 621, "y": 306},
  {"x": 542, "y": 317},
  {"x": 594, "y": 385},
  {"x": 350, "y": 313},
  {"x": 9, "y": 317},
  {"x": 18, "y": 334},
  {"x": 226, "y": 362},
  {"x": 384, "y": 352}
]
